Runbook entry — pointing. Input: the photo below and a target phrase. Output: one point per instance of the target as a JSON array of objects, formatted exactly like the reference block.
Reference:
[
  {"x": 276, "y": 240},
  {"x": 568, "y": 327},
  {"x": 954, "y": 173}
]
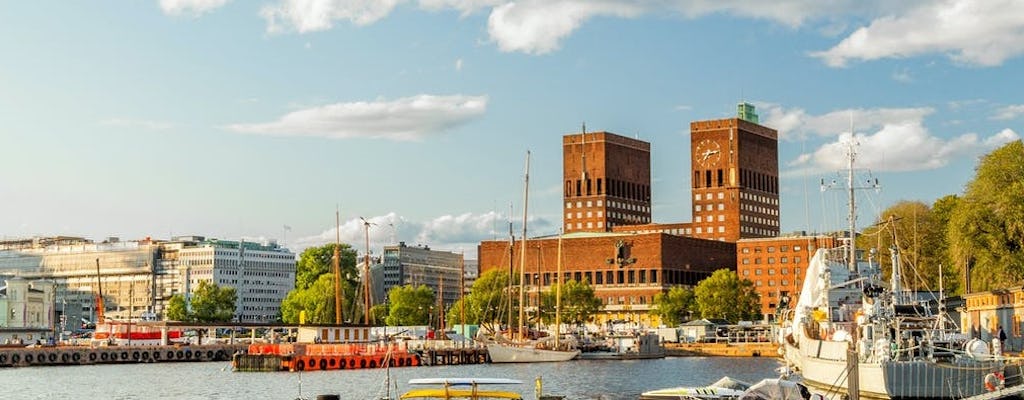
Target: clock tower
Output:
[{"x": 735, "y": 172}]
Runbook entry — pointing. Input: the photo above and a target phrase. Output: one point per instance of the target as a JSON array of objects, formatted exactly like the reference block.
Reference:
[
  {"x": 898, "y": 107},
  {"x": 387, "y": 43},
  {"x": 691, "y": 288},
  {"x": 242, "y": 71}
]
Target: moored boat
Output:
[
  {"x": 461, "y": 388},
  {"x": 724, "y": 389}
]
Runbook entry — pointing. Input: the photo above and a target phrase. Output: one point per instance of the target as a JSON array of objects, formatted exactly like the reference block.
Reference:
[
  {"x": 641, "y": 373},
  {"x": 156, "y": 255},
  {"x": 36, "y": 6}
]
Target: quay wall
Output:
[
  {"x": 722, "y": 349},
  {"x": 84, "y": 355}
]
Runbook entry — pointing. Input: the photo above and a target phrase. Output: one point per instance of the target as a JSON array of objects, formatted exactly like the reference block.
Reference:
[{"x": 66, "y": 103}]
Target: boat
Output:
[
  {"x": 852, "y": 334},
  {"x": 625, "y": 347},
  {"x": 519, "y": 349},
  {"x": 135, "y": 333},
  {"x": 723, "y": 389},
  {"x": 461, "y": 388}
]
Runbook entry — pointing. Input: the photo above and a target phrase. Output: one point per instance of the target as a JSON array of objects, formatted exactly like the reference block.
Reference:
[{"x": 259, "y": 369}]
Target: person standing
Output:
[{"x": 1002, "y": 339}]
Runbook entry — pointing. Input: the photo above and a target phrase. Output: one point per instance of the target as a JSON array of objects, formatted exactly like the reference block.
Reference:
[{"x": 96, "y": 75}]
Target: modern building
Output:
[
  {"x": 626, "y": 270},
  {"x": 419, "y": 265},
  {"x": 607, "y": 181},
  {"x": 776, "y": 266},
  {"x": 136, "y": 279},
  {"x": 29, "y": 315},
  {"x": 735, "y": 170}
]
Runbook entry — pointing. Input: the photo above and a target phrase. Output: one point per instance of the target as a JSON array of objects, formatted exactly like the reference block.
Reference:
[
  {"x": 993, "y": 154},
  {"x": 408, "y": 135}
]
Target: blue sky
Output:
[{"x": 235, "y": 119}]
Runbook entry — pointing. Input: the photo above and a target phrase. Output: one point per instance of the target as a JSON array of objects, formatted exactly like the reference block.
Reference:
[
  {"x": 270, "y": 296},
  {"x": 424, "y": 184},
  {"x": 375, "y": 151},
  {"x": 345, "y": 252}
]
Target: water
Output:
[{"x": 589, "y": 379}]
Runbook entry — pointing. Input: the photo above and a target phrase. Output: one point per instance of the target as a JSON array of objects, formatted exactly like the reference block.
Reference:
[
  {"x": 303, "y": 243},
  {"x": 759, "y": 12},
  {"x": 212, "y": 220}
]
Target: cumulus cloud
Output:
[
  {"x": 409, "y": 118},
  {"x": 192, "y": 7},
  {"x": 318, "y": 15},
  {"x": 456, "y": 233},
  {"x": 796, "y": 123},
  {"x": 1009, "y": 112},
  {"x": 983, "y": 33},
  {"x": 906, "y": 146}
]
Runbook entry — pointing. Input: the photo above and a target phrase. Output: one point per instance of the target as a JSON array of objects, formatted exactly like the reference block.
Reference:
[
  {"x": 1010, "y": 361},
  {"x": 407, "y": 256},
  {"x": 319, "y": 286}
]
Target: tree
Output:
[
  {"x": 724, "y": 295},
  {"x": 912, "y": 227},
  {"x": 314, "y": 286},
  {"x": 675, "y": 306},
  {"x": 942, "y": 212},
  {"x": 411, "y": 305},
  {"x": 212, "y": 303},
  {"x": 986, "y": 230},
  {"x": 177, "y": 310},
  {"x": 578, "y": 303},
  {"x": 487, "y": 301}
]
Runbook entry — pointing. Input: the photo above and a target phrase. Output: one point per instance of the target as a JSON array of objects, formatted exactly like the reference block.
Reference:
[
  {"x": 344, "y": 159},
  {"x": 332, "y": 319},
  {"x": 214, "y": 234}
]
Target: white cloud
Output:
[
  {"x": 137, "y": 124},
  {"x": 193, "y": 7},
  {"x": 796, "y": 123},
  {"x": 456, "y": 233},
  {"x": 904, "y": 146},
  {"x": 538, "y": 26},
  {"x": 458, "y": 65},
  {"x": 409, "y": 118},
  {"x": 1009, "y": 112},
  {"x": 318, "y": 15},
  {"x": 984, "y": 33}
]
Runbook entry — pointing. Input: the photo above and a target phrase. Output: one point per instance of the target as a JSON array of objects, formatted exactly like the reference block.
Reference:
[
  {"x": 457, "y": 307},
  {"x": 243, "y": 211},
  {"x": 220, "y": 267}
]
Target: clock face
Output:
[{"x": 708, "y": 153}]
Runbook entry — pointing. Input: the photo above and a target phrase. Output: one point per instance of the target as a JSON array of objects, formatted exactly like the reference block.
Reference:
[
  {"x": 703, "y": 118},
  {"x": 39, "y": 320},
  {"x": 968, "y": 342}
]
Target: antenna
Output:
[{"x": 850, "y": 187}]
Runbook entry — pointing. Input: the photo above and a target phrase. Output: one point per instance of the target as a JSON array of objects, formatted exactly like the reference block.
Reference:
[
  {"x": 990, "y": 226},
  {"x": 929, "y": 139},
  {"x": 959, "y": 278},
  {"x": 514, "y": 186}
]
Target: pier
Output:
[
  {"x": 83, "y": 355},
  {"x": 455, "y": 356}
]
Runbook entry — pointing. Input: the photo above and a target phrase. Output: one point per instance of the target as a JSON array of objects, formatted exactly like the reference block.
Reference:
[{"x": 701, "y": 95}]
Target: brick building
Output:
[
  {"x": 626, "y": 270},
  {"x": 776, "y": 266},
  {"x": 607, "y": 181}
]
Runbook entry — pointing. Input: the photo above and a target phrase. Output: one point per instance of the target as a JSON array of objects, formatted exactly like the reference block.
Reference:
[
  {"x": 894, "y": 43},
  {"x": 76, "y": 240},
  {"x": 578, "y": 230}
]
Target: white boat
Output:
[
  {"x": 520, "y": 350},
  {"x": 724, "y": 389},
  {"x": 852, "y": 333}
]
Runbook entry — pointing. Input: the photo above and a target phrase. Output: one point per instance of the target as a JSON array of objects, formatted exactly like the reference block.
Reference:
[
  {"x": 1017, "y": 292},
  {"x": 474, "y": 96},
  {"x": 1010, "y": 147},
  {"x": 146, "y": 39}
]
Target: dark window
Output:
[
  {"x": 654, "y": 276},
  {"x": 719, "y": 177}
]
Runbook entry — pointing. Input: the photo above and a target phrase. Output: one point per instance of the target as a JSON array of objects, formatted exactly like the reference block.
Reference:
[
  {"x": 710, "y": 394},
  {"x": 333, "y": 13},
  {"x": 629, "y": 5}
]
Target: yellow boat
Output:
[{"x": 461, "y": 388}]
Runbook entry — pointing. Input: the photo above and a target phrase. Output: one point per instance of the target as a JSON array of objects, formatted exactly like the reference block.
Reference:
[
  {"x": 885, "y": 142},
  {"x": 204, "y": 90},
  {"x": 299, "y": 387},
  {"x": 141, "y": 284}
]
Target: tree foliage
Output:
[
  {"x": 487, "y": 302},
  {"x": 986, "y": 230},
  {"x": 918, "y": 233},
  {"x": 724, "y": 295},
  {"x": 177, "y": 310},
  {"x": 579, "y": 303},
  {"x": 314, "y": 286},
  {"x": 675, "y": 306},
  {"x": 212, "y": 303},
  {"x": 411, "y": 305}
]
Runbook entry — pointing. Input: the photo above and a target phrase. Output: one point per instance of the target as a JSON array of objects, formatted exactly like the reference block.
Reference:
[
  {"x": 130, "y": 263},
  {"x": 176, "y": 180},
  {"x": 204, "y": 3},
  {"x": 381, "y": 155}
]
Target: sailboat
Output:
[
  {"x": 504, "y": 350},
  {"x": 854, "y": 335}
]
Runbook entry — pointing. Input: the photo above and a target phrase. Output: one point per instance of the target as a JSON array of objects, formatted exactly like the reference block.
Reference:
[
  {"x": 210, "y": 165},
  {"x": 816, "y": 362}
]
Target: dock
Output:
[
  {"x": 86, "y": 355},
  {"x": 757, "y": 349},
  {"x": 455, "y": 356}
]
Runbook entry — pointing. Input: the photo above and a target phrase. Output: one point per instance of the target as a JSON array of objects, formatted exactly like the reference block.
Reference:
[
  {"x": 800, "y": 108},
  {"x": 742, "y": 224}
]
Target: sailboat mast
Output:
[
  {"x": 511, "y": 265},
  {"x": 851, "y": 260},
  {"x": 522, "y": 258},
  {"x": 558, "y": 291}
]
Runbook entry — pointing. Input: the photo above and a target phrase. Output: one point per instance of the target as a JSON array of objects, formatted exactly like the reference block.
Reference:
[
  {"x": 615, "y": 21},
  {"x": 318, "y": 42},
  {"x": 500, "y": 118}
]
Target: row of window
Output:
[
  {"x": 771, "y": 271},
  {"x": 771, "y": 249},
  {"x": 615, "y": 188},
  {"x": 759, "y": 220},
  {"x": 759, "y": 198},
  {"x": 759, "y": 209}
]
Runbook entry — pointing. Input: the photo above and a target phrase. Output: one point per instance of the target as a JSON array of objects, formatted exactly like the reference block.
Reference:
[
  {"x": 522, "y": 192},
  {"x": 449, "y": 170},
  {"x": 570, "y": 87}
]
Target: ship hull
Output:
[{"x": 504, "y": 353}]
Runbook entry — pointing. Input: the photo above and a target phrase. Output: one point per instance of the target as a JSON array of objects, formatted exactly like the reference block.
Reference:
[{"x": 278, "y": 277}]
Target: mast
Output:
[
  {"x": 511, "y": 265},
  {"x": 337, "y": 267},
  {"x": 462, "y": 295},
  {"x": 366, "y": 275},
  {"x": 522, "y": 258},
  {"x": 100, "y": 308},
  {"x": 851, "y": 153},
  {"x": 558, "y": 291}
]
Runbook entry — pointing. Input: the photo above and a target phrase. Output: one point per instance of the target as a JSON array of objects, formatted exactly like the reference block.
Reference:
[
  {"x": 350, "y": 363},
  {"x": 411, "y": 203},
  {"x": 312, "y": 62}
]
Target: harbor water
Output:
[{"x": 588, "y": 379}]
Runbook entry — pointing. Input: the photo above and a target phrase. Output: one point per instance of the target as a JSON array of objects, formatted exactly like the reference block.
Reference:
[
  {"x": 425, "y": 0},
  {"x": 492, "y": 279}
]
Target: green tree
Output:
[
  {"x": 314, "y": 286},
  {"x": 212, "y": 303},
  {"x": 411, "y": 305},
  {"x": 578, "y": 303},
  {"x": 724, "y": 295},
  {"x": 316, "y": 261},
  {"x": 986, "y": 230},
  {"x": 675, "y": 306},
  {"x": 487, "y": 302},
  {"x": 177, "y": 310},
  {"x": 912, "y": 227},
  {"x": 942, "y": 212}
]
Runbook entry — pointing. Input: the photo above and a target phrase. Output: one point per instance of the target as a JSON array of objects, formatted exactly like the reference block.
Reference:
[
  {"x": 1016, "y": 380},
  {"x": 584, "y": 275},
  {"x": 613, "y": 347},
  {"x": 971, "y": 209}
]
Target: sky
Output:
[{"x": 262, "y": 119}]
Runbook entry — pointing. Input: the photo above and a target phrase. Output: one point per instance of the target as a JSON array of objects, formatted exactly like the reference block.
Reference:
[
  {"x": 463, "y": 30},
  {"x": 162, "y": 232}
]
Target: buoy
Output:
[
  {"x": 15, "y": 358},
  {"x": 156, "y": 355},
  {"x": 135, "y": 355},
  {"x": 28, "y": 358},
  {"x": 53, "y": 357},
  {"x": 209, "y": 354},
  {"x": 124, "y": 355},
  {"x": 401, "y": 361},
  {"x": 351, "y": 362},
  {"x": 994, "y": 381},
  {"x": 92, "y": 357},
  {"x": 178, "y": 355},
  {"x": 362, "y": 363},
  {"x": 373, "y": 363},
  {"x": 3, "y": 358},
  {"x": 300, "y": 365}
]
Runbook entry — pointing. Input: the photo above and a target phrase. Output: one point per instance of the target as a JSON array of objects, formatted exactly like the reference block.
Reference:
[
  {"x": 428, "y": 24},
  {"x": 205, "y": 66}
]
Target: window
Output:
[
  {"x": 757, "y": 271},
  {"x": 746, "y": 261},
  {"x": 746, "y": 272},
  {"x": 746, "y": 250}
]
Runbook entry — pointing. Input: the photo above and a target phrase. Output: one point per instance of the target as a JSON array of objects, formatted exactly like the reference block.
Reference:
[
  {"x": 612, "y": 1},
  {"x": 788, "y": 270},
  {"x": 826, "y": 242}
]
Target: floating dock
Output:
[{"x": 83, "y": 355}]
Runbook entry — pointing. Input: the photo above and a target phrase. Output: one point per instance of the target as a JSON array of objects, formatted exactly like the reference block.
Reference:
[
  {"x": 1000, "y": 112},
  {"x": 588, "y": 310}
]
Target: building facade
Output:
[
  {"x": 607, "y": 181},
  {"x": 735, "y": 170},
  {"x": 30, "y": 315},
  {"x": 626, "y": 270},
  {"x": 136, "y": 279},
  {"x": 776, "y": 266},
  {"x": 419, "y": 265}
]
